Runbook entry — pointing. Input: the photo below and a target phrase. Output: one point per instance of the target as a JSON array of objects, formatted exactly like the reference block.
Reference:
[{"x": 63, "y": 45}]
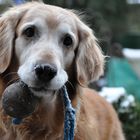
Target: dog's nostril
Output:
[
  {"x": 50, "y": 71},
  {"x": 38, "y": 70},
  {"x": 45, "y": 72}
]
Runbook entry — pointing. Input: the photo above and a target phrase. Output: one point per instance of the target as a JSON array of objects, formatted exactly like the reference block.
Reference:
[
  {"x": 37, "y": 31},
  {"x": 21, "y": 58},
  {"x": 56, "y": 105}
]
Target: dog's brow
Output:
[
  {"x": 37, "y": 22},
  {"x": 65, "y": 28}
]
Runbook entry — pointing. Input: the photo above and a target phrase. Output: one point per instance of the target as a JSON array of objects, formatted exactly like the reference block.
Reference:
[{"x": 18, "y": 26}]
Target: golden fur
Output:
[{"x": 95, "y": 118}]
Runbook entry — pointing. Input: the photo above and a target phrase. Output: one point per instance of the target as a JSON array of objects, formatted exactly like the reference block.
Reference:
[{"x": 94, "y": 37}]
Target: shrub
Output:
[{"x": 128, "y": 110}]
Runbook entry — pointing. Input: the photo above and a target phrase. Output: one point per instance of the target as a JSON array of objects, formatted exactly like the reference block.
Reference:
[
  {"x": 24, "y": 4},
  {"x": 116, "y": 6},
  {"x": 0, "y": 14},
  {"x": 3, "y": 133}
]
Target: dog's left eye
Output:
[
  {"x": 29, "y": 32},
  {"x": 67, "y": 41}
]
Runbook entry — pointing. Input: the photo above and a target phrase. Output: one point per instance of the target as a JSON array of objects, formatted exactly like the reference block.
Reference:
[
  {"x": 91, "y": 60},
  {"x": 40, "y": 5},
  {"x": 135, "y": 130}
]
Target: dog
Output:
[{"x": 47, "y": 47}]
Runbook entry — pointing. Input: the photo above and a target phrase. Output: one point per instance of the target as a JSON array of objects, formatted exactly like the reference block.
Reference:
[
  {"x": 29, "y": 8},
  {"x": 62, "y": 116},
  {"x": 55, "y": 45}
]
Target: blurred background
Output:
[{"x": 116, "y": 24}]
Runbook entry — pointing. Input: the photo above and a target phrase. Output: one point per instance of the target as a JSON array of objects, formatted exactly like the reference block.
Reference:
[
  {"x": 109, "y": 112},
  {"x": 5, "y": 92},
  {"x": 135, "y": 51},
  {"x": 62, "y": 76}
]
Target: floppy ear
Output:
[
  {"x": 8, "y": 23},
  {"x": 89, "y": 59}
]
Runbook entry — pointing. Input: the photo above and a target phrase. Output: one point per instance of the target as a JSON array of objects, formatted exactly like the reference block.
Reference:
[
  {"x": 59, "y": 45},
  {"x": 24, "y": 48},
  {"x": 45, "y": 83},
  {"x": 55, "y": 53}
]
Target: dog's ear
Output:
[
  {"x": 8, "y": 23},
  {"x": 89, "y": 57}
]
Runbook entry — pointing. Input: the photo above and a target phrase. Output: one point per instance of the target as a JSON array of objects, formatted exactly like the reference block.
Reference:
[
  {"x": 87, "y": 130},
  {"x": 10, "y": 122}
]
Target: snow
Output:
[
  {"x": 133, "y": 56},
  {"x": 133, "y": 1},
  {"x": 129, "y": 101},
  {"x": 112, "y": 94},
  {"x": 131, "y": 53}
]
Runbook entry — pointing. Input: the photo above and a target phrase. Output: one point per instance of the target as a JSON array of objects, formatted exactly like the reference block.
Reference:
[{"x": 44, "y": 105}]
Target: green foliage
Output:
[
  {"x": 130, "y": 119},
  {"x": 114, "y": 13}
]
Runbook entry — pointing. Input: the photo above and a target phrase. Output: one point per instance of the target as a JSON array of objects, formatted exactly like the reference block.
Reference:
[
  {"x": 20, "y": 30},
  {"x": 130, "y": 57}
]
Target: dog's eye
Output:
[
  {"x": 29, "y": 32},
  {"x": 67, "y": 41}
]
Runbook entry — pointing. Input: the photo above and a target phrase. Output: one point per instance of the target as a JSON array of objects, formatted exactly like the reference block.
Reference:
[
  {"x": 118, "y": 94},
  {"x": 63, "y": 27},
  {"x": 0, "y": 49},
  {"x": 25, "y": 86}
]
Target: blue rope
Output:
[
  {"x": 16, "y": 121},
  {"x": 69, "y": 122},
  {"x": 17, "y": 2}
]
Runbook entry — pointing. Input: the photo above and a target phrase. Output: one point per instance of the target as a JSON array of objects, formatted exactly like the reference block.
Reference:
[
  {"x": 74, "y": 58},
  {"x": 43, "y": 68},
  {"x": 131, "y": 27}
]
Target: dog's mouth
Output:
[
  {"x": 38, "y": 89},
  {"x": 41, "y": 91}
]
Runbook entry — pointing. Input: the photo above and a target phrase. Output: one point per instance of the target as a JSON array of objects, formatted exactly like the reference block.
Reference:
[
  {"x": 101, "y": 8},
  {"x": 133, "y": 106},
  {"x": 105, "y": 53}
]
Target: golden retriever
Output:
[{"x": 46, "y": 47}]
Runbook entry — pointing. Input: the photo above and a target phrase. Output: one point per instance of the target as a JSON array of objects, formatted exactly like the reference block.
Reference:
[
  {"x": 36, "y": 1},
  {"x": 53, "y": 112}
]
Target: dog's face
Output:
[
  {"x": 48, "y": 41},
  {"x": 45, "y": 46}
]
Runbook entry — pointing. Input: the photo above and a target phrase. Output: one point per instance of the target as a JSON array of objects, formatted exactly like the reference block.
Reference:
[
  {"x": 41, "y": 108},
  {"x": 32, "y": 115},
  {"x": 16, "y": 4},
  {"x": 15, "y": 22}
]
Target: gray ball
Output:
[{"x": 18, "y": 101}]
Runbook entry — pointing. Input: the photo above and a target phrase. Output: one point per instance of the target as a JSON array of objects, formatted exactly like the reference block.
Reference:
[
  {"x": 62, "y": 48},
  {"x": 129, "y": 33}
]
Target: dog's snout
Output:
[{"x": 45, "y": 72}]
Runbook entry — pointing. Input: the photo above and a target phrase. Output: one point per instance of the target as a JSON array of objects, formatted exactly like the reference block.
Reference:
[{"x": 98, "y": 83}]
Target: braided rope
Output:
[
  {"x": 17, "y": 2},
  {"x": 69, "y": 121}
]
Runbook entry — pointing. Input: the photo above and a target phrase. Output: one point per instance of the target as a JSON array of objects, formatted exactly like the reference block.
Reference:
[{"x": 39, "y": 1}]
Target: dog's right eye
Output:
[
  {"x": 67, "y": 40},
  {"x": 29, "y": 32}
]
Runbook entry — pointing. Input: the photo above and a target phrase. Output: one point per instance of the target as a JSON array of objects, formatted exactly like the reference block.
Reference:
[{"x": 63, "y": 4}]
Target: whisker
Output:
[
  {"x": 13, "y": 81},
  {"x": 9, "y": 74},
  {"x": 70, "y": 84}
]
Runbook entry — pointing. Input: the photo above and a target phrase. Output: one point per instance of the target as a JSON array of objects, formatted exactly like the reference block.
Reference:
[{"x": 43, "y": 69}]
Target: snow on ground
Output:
[
  {"x": 133, "y": 56},
  {"x": 113, "y": 94},
  {"x": 131, "y": 53}
]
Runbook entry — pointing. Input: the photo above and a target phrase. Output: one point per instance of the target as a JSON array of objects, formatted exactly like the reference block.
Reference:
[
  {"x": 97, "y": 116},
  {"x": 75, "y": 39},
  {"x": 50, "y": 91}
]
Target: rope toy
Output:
[
  {"x": 19, "y": 102},
  {"x": 69, "y": 121}
]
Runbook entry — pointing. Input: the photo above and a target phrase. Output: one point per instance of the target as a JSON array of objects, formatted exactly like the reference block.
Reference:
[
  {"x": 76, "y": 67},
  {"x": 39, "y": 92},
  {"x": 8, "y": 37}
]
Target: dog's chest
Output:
[{"x": 38, "y": 134}]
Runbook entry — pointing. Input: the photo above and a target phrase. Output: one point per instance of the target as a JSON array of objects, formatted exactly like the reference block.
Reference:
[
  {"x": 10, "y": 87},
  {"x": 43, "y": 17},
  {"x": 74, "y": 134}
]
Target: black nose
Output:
[{"x": 45, "y": 72}]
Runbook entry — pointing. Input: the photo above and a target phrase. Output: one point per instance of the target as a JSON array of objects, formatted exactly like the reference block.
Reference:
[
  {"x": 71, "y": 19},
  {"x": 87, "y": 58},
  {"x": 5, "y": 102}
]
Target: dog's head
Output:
[{"x": 48, "y": 42}]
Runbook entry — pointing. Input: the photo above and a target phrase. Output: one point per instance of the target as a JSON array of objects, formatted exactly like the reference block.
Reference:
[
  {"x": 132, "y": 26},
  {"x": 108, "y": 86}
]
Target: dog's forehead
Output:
[{"x": 52, "y": 15}]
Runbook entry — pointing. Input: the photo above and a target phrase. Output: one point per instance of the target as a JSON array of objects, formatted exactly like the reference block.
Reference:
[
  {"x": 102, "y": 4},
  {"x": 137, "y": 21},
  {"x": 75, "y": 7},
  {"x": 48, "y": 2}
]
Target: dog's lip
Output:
[{"x": 38, "y": 89}]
